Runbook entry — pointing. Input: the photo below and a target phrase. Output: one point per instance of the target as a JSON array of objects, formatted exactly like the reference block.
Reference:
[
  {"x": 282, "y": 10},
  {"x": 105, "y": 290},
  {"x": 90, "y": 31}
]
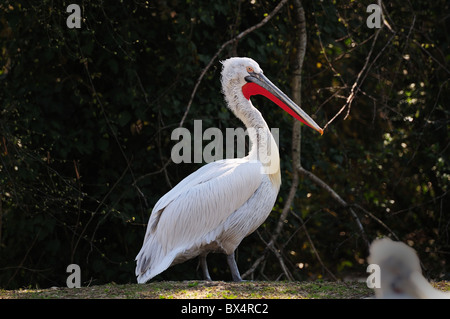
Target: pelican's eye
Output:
[{"x": 250, "y": 69}]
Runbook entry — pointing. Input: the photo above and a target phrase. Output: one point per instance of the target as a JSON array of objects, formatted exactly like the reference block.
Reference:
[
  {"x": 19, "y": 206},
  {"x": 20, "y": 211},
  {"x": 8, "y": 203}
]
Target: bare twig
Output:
[
  {"x": 314, "y": 247},
  {"x": 162, "y": 169},
  {"x": 255, "y": 265},
  {"x": 20, "y": 266},
  {"x": 376, "y": 219},
  {"x": 324, "y": 52},
  {"x": 431, "y": 56},
  {"x": 271, "y": 246},
  {"x": 384, "y": 13},
  {"x": 356, "y": 84},
  {"x": 336, "y": 197}
]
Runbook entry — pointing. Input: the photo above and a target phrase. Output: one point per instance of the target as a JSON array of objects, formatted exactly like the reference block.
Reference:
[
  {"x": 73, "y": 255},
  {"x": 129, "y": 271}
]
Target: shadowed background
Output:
[{"x": 86, "y": 117}]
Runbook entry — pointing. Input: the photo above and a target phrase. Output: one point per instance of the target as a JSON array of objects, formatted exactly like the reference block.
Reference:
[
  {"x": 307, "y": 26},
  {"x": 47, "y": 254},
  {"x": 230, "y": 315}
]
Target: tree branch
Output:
[{"x": 337, "y": 198}]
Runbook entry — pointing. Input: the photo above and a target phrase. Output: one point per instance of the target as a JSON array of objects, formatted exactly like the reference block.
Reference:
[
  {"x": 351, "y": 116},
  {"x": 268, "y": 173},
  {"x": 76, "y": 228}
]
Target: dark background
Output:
[{"x": 86, "y": 117}]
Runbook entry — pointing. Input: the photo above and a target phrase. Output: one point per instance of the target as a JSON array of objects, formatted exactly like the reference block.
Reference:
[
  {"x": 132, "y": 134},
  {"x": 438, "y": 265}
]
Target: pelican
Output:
[
  {"x": 400, "y": 272},
  {"x": 214, "y": 208}
]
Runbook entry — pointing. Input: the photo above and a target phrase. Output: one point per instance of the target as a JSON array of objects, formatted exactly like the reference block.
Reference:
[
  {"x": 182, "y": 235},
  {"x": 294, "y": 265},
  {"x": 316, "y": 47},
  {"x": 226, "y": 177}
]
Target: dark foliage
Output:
[{"x": 86, "y": 117}]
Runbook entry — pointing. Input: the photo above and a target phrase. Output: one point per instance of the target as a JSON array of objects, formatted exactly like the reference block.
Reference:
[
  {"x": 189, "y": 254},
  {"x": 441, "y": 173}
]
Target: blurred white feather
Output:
[{"x": 401, "y": 275}]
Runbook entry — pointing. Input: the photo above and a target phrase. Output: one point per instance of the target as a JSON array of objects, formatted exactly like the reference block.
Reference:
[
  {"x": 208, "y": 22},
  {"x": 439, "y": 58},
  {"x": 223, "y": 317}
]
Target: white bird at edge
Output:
[
  {"x": 400, "y": 272},
  {"x": 216, "y": 207}
]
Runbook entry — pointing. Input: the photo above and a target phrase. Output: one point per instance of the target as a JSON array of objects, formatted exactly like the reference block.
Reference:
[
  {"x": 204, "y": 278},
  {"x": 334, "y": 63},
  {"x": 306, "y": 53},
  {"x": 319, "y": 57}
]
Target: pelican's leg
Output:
[
  {"x": 233, "y": 267},
  {"x": 204, "y": 265}
]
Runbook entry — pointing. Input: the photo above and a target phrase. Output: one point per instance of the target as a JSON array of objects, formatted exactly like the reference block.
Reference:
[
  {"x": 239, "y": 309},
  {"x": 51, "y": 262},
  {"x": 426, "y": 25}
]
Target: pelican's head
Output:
[
  {"x": 242, "y": 78},
  {"x": 237, "y": 69}
]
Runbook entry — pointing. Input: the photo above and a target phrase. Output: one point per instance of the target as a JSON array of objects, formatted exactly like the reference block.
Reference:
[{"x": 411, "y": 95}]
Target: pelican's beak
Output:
[{"x": 258, "y": 84}]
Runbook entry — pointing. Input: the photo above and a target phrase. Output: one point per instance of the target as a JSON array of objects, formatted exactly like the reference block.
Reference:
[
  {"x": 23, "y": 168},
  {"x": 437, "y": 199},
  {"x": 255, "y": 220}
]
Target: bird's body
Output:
[
  {"x": 214, "y": 209},
  {"x": 217, "y": 206},
  {"x": 400, "y": 272}
]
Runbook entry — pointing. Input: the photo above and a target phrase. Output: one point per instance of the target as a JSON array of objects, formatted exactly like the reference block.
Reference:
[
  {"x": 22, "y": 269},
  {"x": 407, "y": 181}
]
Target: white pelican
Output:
[
  {"x": 214, "y": 208},
  {"x": 400, "y": 272}
]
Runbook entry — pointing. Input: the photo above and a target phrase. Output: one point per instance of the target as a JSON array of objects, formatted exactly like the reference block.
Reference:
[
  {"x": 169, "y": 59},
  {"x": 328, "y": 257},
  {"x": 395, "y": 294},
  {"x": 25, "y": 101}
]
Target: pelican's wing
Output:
[
  {"x": 203, "y": 200},
  {"x": 196, "y": 206}
]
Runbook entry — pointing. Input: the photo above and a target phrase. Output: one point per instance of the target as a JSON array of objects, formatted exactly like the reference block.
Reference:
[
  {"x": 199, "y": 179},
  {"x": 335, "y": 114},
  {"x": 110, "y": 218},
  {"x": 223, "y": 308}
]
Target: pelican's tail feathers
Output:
[{"x": 152, "y": 260}]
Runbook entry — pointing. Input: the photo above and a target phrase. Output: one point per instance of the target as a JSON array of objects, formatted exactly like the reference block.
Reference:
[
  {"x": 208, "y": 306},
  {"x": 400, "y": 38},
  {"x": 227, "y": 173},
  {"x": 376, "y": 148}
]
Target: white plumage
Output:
[
  {"x": 218, "y": 205},
  {"x": 401, "y": 274}
]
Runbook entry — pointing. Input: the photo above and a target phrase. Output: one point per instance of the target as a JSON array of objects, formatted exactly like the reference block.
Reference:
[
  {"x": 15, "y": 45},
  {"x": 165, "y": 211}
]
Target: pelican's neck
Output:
[
  {"x": 259, "y": 133},
  {"x": 263, "y": 145}
]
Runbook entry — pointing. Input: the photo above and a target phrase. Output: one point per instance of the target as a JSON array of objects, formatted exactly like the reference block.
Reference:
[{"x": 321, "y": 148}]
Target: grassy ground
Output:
[{"x": 207, "y": 290}]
